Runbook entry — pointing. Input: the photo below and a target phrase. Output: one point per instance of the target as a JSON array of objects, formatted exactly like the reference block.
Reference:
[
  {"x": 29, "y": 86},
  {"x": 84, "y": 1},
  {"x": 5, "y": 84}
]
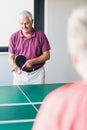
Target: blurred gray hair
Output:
[
  {"x": 77, "y": 39},
  {"x": 77, "y": 30},
  {"x": 24, "y": 14}
]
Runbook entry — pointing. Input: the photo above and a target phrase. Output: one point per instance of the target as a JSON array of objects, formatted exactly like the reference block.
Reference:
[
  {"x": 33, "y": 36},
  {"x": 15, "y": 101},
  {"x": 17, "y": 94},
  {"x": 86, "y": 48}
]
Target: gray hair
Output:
[
  {"x": 77, "y": 39},
  {"x": 24, "y": 14},
  {"x": 77, "y": 30}
]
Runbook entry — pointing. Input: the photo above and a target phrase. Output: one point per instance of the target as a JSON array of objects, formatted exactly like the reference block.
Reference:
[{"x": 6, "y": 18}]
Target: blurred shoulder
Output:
[
  {"x": 58, "y": 92},
  {"x": 16, "y": 33},
  {"x": 67, "y": 90},
  {"x": 39, "y": 33}
]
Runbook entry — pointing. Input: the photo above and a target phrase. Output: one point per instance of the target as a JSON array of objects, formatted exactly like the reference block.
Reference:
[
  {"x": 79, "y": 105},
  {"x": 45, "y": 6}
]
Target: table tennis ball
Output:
[{"x": 19, "y": 71}]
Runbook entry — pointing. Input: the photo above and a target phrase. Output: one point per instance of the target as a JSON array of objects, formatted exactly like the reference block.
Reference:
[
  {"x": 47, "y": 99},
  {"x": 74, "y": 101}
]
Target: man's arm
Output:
[
  {"x": 44, "y": 57},
  {"x": 13, "y": 64},
  {"x": 12, "y": 59}
]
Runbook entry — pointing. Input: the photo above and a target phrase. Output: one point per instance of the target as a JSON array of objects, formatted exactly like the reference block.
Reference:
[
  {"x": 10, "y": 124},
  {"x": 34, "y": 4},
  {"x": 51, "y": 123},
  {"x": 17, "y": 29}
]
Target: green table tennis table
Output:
[{"x": 19, "y": 104}]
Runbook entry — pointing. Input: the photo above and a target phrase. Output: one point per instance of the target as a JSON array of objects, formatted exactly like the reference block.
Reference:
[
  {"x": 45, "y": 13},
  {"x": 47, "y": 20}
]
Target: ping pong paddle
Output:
[{"x": 20, "y": 60}]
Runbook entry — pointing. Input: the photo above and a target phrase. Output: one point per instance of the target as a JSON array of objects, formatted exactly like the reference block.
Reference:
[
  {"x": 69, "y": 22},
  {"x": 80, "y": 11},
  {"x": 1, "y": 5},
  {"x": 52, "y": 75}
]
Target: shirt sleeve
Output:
[
  {"x": 11, "y": 47},
  {"x": 45, "y": 43}
]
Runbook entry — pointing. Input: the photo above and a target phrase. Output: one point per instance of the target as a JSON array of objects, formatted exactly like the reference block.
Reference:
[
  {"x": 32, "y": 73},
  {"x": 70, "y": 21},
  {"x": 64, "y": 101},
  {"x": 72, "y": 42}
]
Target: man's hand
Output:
[
  {"x": 16, "y": 69},
  {"x": 28, "y": 64}
]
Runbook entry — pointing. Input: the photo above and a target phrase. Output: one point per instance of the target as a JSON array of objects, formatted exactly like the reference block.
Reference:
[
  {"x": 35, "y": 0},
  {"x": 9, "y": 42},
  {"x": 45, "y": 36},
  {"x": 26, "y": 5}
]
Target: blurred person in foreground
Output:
[
  {"x": 34, "y": 45},
  {"x": 65, "y": 108}
]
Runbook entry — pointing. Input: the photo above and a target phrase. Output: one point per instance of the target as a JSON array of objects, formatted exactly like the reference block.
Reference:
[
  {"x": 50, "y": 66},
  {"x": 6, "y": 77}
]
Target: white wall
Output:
[
  {"x": 5, "y": 70},
  {"x": 59, "y": 68},
  {"x": 9, "y": 12}
]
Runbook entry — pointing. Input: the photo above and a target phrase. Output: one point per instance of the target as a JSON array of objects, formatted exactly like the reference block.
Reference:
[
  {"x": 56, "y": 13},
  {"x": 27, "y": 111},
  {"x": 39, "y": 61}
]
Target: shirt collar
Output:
[{"x": 33, "y": 34}]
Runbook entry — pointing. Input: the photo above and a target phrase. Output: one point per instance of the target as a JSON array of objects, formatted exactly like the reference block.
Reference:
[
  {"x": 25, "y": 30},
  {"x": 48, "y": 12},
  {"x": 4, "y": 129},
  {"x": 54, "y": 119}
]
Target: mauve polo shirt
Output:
[{"x": 31, "y": 47}]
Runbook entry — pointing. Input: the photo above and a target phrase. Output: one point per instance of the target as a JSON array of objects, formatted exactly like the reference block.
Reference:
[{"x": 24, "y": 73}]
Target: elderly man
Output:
[
  {"x": 66, "y": 107},
  {"x": 34, "y": 45}
]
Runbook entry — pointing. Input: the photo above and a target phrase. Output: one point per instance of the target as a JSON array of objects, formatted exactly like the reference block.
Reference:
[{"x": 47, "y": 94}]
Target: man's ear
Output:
[{"x": 75, "y": 59}]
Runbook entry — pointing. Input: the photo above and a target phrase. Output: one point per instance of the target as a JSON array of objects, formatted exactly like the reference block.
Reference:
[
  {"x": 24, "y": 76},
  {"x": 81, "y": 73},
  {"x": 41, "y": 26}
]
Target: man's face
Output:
[{"x": 26, "y": 25}]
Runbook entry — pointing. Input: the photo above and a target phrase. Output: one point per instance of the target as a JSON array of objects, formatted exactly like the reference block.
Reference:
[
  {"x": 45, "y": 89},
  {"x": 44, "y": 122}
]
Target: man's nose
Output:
[{"x": 24, "y": 25}]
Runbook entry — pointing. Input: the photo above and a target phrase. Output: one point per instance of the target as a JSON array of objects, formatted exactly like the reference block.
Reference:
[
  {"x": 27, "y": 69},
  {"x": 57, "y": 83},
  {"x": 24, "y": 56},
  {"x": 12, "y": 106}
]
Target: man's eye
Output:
[
  {"x": 24, "y": 24},
  {"x": 21, "y": 23},
  {"x": 27, "y": 23}
]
